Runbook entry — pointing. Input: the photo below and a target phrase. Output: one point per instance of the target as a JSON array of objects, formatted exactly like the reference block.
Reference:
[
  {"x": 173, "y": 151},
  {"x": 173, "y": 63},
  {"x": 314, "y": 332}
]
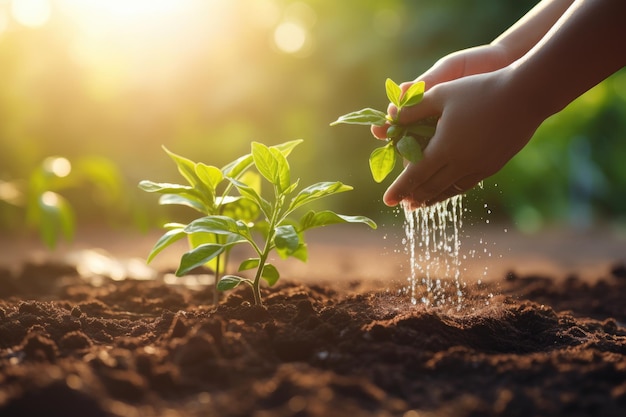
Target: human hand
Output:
[
  {"x": 459, "y": 64},
  {"x": 482, "y": 124}
]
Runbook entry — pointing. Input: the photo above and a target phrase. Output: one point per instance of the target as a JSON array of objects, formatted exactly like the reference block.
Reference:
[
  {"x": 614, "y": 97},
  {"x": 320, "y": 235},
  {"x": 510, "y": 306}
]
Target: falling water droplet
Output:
[{"x": 435, "y": 231}]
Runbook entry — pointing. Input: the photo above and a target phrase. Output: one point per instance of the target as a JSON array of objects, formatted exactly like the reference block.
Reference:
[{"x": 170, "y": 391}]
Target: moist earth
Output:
[{"x": 518, "y": 346}]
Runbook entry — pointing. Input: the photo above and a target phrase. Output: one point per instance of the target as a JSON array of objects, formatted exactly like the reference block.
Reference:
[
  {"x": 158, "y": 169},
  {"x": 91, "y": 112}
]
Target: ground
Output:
[{"x": 80, "y": 335}]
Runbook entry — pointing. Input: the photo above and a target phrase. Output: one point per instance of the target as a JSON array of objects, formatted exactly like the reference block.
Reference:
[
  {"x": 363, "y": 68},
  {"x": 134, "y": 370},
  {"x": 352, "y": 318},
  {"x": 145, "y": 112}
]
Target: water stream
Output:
[{"x": 433, "y": 242}]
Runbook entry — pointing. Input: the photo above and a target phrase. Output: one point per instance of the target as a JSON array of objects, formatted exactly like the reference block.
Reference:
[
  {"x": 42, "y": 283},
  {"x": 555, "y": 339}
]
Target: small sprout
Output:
[
  {"x": 406, "y": 141},
  {"x": 230, "y": 220}
]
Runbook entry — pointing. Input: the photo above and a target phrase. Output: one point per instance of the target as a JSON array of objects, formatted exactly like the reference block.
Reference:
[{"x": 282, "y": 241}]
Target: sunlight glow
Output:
[
  {"x": 4, "y": 21},
  {"x": 123, "y": 9},
  {"x": 142, "y": 42},
  {"x": 50, "y": 199},
  {"x": 10, "y": 193},
  {"x": 290, "y": 37},
  {"x": 58, "y": 166},
  {"x": 31, "y": 13}
]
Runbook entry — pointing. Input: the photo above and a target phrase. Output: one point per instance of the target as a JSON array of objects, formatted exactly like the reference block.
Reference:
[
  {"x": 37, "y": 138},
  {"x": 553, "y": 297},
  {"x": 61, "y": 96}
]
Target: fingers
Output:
[
  {"x": 428, "y": 107},
  {"x": 411, "y": 179},
  {"x": 460, "y": 186},
  {"x": 457, "y": 187},
  {"x": 437, "y": 176},
  {"x": 380, "y": 132}
]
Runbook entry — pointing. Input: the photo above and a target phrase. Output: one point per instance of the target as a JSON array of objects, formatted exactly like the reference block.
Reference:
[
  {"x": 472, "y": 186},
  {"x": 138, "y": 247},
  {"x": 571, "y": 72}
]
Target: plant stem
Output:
[
  {"x": 268, "y": 246},
  {"x": 256, "y": 285},
  {"x": 216, "y": 295}
]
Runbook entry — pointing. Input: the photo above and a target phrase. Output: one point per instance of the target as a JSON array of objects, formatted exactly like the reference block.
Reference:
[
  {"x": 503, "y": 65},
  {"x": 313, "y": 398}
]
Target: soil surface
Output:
[{"x": 520, "y": 345}]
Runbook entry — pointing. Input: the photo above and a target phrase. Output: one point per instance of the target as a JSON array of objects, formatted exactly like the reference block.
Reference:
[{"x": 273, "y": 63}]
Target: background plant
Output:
[
  {"x": 45, "y": 199},
  {"x": 404, "y": 141},
  {"x": 237, "y": 222}
]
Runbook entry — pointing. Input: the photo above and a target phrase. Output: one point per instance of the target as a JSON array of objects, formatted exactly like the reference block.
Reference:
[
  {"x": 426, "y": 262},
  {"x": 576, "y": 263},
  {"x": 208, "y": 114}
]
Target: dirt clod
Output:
[{"x": 543, "y": 346}]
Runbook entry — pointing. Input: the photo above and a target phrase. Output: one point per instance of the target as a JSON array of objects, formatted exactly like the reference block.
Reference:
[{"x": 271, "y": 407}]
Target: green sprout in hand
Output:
[
  {"x": 277, "y": 230},
  {"x": 405, "y": 141}
]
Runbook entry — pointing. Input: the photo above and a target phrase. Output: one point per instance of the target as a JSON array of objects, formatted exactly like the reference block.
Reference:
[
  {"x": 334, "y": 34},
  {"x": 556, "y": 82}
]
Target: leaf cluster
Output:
[
  {"x": 262, "y": 222},
  {"x": 45, "y": 194},
  {"x": 403, "y": 141}
]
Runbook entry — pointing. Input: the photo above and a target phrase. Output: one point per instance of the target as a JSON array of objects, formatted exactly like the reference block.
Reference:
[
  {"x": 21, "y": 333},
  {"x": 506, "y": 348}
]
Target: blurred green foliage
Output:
[{"x": 205, "y": 78}]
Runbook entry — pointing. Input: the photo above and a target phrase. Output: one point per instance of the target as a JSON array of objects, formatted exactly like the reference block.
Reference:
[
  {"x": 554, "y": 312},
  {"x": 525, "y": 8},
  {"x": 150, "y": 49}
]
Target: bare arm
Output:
[
  {"x": 526, "y": 32},
  {"x": 586, "y": 45},
  {"x": 486, "y": 118},
  {"x": 506, "y": 48}
]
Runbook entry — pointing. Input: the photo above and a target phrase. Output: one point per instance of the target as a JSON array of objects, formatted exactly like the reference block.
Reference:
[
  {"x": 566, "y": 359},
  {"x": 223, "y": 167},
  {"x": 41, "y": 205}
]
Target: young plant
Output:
[
  {"x": 40, "y": 196},
  {"x": 277, "y": 230},
  {"x": 208, "y": 191},
  {"x": 405, "y": 141}
]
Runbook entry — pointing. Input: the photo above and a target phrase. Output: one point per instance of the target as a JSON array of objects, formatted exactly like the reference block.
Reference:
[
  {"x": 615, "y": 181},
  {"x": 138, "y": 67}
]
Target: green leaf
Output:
[
  {"x": 164, "y": 187},
  {"x": 363, "y": 117},
  {"x": 251, "y": 194},
  {"x": 238, "y": 166},
  {"x": 219, "y": 263},
  {"x": 286, "y": 147},
  {"x": 422, "y": 130},
  {"x": 265, "y": 162},
  {"x": 302, "y": 253},
  {"x": 189, "y": 201},
  {"x": 202, "y": 254},
  {"x": 209, "y": 175},
  {"x": 382, "y": 160},
  {"x": 166, "y": 240},
  {"x": 228, "y": 282},
  {"x": 198, "y": 256},
  {"x": 220, "y": 225},
  {"x": 270, "y": 274},
  {"x": 286, "y": 238},
  {"x": 186, "y": 167},
  {"x": 413, "y": 95},
  {"x": 283, "y": 176},
  {"x": 227, "y": 199},
  {"x": 244, "y": 210},
  {"x": 409, "y": 149},
  {"x": 56, "y": 217},
  {"x": 393, "y": 92},
  {"x": 314, "y": 219},
  {"x": 317, "y": 191},
  {"x": 292, "y": 187},
  {"x": 187, "y": 195},
  {"x": 248, "y": 264}
]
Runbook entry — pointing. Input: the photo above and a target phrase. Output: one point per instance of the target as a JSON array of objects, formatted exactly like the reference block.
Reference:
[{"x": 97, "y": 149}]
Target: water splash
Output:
[{"x": 433, "y": 244}]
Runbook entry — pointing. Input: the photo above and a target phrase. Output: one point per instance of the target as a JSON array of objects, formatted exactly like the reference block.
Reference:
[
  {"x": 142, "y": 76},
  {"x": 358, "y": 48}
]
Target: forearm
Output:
[
  {"x": 504, "y": 50},
  {"x": 529, "y": 30},
  {"x": 583, "y": 47}
]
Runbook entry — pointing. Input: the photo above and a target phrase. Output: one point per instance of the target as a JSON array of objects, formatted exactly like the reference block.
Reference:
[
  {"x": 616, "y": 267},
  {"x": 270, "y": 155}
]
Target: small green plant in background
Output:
[
  {"x": 263, "y": 223},
  {"x": 41, "y": 197},
  {"x": 405, "y": 141}
]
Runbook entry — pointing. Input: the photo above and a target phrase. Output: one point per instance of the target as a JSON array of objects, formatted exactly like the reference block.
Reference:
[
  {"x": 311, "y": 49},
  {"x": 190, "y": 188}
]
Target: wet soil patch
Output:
[{"x": 541, "y": 347}]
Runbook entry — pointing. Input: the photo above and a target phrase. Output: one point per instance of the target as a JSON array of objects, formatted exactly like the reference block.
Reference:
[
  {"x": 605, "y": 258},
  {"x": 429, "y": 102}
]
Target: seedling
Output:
[
  {"x": 232, "y": 220},
  {"x": 405, "y": 141},
  {"x": 41, "y": 198}
]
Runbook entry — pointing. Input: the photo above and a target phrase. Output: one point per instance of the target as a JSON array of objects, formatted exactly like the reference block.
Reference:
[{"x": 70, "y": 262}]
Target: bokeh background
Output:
[{"x": 105, "y": 83}]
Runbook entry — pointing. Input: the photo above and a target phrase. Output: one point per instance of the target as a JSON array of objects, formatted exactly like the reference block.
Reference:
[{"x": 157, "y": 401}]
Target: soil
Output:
[{"x": 72, "y": 345}]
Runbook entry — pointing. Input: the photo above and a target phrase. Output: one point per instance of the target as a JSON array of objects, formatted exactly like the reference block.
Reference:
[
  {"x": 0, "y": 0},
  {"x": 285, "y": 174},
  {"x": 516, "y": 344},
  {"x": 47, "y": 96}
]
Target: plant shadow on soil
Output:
[{"x": 542, "y": 346}]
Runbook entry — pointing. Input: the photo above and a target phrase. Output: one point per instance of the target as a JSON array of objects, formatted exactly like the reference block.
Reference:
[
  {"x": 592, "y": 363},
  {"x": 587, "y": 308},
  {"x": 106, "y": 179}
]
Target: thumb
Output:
[{"x": 428, "y": 107}]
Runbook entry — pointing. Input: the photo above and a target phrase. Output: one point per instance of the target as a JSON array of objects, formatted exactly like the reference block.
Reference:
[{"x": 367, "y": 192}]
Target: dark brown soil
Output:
[{"x": 542, "y": 347}]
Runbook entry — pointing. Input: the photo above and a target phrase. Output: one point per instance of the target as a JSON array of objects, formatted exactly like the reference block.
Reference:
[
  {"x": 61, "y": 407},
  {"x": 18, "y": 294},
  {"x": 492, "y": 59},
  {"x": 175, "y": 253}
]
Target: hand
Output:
[
  {"x": 459, "y": 64},
  {"x": 482, "y": 125}
]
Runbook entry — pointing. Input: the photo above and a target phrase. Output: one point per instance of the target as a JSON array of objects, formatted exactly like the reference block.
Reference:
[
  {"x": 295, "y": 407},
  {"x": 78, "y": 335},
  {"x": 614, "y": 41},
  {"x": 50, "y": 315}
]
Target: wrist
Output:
[{"x": 529, "y": 99}]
